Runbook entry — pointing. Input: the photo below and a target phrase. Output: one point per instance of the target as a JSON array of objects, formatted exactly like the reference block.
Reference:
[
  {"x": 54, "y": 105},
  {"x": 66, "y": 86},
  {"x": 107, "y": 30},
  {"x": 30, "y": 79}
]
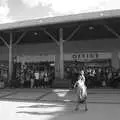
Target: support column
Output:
[
  {"x": 115, "y": 60},
  {"x": 10, "y": 57},
  {"x": 57, "y": 63},
  {"x": 60, "y": 82},
  {"x": 61, "y": 54}
]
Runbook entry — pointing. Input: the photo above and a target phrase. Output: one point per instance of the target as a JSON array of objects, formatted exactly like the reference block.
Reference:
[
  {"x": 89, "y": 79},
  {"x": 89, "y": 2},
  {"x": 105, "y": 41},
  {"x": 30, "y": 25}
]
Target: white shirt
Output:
[
  {"x": 82, "y": 85},
  {"x": 36, "y": 75}
]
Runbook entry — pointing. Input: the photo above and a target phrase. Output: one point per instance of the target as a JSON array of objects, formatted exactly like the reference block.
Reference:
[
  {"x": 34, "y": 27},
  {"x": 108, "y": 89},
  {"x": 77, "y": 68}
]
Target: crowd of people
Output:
[
  {"x": 35, "y": 75},
  {"x": 31, "y": 75},
  {"x": 95, "y": 76}
]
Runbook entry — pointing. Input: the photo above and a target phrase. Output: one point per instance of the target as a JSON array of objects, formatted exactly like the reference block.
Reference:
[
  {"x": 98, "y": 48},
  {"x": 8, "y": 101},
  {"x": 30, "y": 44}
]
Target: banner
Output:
[{"x": 40, "y": 58}]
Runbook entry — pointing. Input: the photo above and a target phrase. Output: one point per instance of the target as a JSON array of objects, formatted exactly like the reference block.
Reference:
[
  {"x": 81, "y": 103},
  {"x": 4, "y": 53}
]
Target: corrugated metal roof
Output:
[{"x": 61, "y": 19}]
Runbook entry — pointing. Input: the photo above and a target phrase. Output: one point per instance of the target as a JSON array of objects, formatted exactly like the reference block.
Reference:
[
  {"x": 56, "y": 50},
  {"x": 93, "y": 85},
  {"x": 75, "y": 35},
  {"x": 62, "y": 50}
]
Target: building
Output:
[{"x": 91, "y": 39}]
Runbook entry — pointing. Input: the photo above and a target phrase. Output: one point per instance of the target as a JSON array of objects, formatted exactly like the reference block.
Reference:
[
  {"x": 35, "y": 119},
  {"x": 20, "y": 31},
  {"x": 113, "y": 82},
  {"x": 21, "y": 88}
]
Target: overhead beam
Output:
[
  {"x": 20, "y": 38},
  {"x": 51, "y": 36},
  {"x": 4, "y": 41},
  {"x": 112, "y": 31},
  {"x": 73, "y": 33}
]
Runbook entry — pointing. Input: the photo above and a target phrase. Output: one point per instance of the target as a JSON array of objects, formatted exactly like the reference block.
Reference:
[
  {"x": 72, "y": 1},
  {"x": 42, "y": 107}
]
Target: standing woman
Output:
[{"x": 81, "y": 91}]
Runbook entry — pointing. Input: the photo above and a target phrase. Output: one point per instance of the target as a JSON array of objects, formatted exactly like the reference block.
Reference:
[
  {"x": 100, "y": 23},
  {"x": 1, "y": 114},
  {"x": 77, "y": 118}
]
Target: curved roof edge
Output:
[{"x": 60, "y": 19}]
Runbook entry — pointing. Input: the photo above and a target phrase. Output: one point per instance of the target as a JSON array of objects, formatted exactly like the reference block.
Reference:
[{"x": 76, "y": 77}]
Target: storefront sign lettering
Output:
[{"x": 85, "y": 56}]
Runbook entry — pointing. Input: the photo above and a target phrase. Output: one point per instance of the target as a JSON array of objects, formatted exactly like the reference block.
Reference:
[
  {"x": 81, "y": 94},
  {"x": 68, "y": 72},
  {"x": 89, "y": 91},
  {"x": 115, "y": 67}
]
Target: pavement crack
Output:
[
  {"x": 12, "y": 93},
  {"x": 42, "y": 96}
]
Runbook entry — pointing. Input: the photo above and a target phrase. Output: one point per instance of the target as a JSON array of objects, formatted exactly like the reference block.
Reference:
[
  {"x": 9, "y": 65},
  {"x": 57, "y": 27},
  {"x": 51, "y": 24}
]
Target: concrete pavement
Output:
[
  {"x": 58, "y": 104},
  {"x": 60, "y": 95}
]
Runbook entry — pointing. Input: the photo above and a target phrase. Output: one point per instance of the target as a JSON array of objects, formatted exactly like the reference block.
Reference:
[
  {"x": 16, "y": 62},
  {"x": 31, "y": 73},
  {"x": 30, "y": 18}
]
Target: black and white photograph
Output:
[{"x": 59, "y": 59}]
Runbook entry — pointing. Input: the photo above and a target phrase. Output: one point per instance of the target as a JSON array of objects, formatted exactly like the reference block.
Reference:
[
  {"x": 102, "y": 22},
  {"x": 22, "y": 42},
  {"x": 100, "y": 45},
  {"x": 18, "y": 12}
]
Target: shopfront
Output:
[
  {"x": 89, "y": 59},
  {"x": 26, "y": 66},
  {"x": 93, "y": 63},
  {"x": 3, "y": 75}
]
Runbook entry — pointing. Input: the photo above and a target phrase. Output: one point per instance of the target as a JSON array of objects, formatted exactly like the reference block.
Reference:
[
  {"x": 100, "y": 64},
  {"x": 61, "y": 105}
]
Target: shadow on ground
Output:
[{"x": 56, "y": 110}]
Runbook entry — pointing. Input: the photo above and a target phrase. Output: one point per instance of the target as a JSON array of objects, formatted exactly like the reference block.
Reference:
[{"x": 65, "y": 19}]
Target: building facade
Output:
[{"x": 90, "y": 53}]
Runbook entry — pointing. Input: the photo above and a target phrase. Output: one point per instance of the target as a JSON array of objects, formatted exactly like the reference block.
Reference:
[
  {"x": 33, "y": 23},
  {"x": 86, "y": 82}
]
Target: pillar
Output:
[
  {"x": 10, "y": 57},
  {"x": 115, "y": 60},
  {"x": 61, "y": 54},
  {"x": 57, "y": 63},
  {"x": 59, "y": 81}
]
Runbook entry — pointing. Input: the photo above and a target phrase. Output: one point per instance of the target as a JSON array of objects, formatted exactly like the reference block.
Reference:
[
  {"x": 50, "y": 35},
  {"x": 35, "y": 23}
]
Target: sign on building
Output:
[
  {"x": 87, "y": 56},
  {"x": 37, "y": 58}
]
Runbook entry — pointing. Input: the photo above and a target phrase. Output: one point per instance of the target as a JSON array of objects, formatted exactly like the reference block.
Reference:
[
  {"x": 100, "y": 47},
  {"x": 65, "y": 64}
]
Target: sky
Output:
[{"x": 17, "y": 10}]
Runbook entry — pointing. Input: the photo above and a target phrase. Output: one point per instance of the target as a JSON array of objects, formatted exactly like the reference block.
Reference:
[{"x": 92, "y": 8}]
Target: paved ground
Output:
[{"x": 58, "y": 104}]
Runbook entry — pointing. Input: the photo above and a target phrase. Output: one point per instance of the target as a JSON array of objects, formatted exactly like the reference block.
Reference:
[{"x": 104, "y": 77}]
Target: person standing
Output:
[
  {"x": 32, "y": 80},
  {"x": 46, "y": 79},
  {"x": 81, "y": 91},
  {"x": 36, "y": 74}
]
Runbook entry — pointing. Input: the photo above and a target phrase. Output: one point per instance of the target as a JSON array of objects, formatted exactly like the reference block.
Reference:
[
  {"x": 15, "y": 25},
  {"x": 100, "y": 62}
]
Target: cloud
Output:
[
  {"x": 73, "y": 6},
  {"x": 4, "y": 11},
  {"x": 35, "y": 3}
]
